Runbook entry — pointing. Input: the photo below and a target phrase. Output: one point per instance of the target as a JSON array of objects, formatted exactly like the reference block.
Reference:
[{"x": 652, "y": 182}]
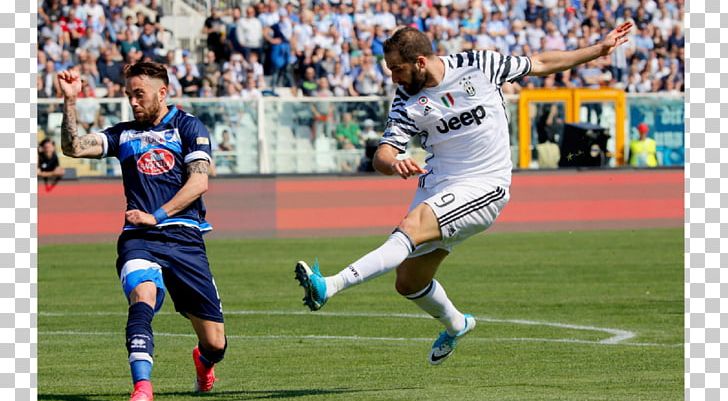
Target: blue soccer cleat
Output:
[
  {"x": 313, "y": 284},
  {"x": 444, "y": 346}
]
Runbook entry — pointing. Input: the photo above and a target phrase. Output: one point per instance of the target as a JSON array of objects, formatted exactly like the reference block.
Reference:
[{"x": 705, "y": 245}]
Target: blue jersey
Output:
[{"x": 153, "y": 163}]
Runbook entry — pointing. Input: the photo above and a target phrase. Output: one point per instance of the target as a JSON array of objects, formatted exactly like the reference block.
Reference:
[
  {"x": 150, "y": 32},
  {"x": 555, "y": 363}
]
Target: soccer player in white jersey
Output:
[{"x": 456, "y": 106}]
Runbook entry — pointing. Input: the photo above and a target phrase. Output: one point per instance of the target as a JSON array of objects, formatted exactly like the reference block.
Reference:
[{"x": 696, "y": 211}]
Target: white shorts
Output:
[{"x": 462, "y": 210}]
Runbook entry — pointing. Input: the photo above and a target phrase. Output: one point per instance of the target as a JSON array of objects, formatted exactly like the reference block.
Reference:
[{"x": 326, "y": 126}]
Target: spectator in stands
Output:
[
  {"x": 133, "y": 7},
  {"x": 309, "y": 85},
  {"x": 52, "y": 49},
  {"x": 255, "y": 68},
  {"x": 226, "y": 144},
  {"x": 148, "y": 42},
  {"x": 249, "y": 33},
  {"x": 230, "y": 86},
  {"x": 676, "y": 38},
  {"x": 110, "y": 69},
  {"x": 340, "y": 83},
  {"x": 348, "y": 33},
  {"x": 210, "y": 71},
  {"x": 368, "y": 79},
  {"x": 190, "y": 83},
  {"x": 54, "y": 31},
  {"x": 49, "y": 168},
  {"x": 348, "y": 133},
  {"x": 251, "y": 90},
  {"x": 278, "y": 54},
  {"x": 215, "y": 30},
  {"x": 50, "y": 83},
  {"x": 92, "y": 42},
  {"x": 186, "y": 65}
]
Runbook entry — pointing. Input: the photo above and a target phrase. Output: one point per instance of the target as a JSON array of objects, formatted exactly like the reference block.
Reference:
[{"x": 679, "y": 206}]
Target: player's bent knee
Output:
[
  {"x": 410, "y": 225},
  {"x": 420, "y": 225},
  {"x": 213, "y": 351}
]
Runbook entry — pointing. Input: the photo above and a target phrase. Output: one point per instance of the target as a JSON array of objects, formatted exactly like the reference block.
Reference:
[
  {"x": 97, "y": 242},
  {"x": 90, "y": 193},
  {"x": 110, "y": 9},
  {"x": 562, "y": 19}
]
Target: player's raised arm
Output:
[
  {"x": 550, "y": 62},
  {"x": 89, "y": 145}
]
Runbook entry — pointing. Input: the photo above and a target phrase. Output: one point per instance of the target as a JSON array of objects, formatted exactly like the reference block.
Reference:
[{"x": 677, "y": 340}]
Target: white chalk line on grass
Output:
[{"x": 618, "y": 337}]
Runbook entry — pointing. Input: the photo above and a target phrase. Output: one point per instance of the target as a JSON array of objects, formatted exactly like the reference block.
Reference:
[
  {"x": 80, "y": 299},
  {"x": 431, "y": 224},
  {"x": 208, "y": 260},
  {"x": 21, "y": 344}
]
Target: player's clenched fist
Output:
[
  {"x": 407, "y": 168},
  {"x": 70, "y": 83},
  {"x": 139, "y": 218}
]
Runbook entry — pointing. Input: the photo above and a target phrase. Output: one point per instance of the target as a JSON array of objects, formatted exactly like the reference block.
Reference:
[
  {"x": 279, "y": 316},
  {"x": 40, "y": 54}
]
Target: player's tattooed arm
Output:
[
  {"x": 198, "y": 167},
  {"x": 72, "y": 144}
]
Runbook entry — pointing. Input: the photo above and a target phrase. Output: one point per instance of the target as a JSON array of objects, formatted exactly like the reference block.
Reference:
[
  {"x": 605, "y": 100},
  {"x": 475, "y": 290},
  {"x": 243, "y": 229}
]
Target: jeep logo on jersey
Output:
[
  {"x": 476, "y": 115},
  {"x": 155, "y": 162}
]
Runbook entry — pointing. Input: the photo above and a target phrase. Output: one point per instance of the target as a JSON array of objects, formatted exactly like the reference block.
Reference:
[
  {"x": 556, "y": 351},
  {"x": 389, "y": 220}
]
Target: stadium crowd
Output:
[{"x": 335, "y": 47}]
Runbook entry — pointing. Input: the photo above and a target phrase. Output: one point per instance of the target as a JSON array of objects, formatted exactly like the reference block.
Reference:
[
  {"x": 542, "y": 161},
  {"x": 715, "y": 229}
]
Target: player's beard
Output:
[
  {"x": 149, "y": 114},
  {"x": 417, "y": 82}
]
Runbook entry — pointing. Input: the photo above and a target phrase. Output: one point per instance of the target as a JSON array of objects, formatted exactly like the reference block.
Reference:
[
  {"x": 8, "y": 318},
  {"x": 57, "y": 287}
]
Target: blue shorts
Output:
[{"x": 175, "y": 259}]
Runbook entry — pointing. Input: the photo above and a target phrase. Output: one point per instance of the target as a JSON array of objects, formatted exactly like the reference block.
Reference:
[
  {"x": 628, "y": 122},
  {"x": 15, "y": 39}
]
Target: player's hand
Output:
[
  {"x": 616, "y": 37},
  {"x": 139, "y": 218},
  {"x": 407, "y": 168},
  {"x": 70, "y": 83}
]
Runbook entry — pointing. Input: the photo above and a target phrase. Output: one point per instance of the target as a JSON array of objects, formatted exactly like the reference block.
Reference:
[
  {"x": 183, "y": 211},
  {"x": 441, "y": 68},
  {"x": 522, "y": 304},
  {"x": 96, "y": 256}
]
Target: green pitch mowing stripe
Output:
[{"x": 369, "y": 343}]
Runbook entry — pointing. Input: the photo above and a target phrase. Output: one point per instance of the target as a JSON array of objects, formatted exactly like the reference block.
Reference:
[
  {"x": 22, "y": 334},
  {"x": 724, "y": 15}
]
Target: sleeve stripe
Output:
[
  {"x": 460, "y": 60},
  {"x": 104, "y": 143},
  {"x": 409, "y": 132},
  {"x": 506, "y": 70},
  {"x": 388, "y": 141},
  {"x": 197, "y": 155},
  {"x": 404, "y": 115},
  {"x": 523, "y": 73},
  {"x": 498, "y": 74},
  {"x": 492, "y": 65},
  {"x": 402, "y": 122}
]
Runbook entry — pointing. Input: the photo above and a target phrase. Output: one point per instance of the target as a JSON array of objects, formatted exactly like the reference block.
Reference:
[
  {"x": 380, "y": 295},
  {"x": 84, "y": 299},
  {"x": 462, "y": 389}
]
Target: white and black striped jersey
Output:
[{"x": 462, "y": 122}]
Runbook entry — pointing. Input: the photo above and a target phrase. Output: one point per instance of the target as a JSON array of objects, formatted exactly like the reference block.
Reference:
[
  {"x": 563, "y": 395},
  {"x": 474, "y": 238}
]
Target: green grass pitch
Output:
[{"x": 562, "y": 316}]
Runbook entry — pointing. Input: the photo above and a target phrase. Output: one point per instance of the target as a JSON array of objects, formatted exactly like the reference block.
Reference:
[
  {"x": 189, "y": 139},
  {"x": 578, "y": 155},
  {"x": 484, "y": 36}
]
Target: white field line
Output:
[{"x": 617, "y": 336}]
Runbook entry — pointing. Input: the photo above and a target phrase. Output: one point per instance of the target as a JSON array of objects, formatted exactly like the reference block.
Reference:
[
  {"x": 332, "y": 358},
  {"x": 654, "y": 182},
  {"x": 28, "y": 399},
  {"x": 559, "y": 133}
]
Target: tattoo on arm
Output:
[
  {"x": 71, "y": 143},
  {"x": 198, "y": 167},
  {"x": 69, "y": 129}
]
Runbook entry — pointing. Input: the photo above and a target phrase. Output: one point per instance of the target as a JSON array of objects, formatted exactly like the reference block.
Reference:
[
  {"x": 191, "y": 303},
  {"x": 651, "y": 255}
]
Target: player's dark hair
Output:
[
  {"x": 149, "y": 69},
  {"x": 47, "y": 140},
  {"x": 410, "y": 43}
]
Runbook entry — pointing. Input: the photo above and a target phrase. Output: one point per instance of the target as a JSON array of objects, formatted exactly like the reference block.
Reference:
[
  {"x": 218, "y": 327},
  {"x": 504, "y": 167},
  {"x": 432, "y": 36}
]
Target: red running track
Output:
[{"x": 92, "y": 211}]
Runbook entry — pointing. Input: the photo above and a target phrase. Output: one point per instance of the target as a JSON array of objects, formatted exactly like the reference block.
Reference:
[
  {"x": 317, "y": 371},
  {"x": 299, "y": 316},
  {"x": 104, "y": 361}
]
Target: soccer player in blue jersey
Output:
[
  {"x": 455, "y": 105},
  {"x": 165, "y": 157}
]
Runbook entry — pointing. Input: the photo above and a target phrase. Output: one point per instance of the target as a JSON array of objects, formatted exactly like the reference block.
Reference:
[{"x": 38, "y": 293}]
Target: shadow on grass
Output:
[{"x": 215, "y": 395}]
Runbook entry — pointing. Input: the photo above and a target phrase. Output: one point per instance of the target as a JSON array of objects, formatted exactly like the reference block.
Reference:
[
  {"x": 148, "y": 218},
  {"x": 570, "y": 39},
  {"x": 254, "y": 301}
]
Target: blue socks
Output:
[{"x": 140, "y": 340}]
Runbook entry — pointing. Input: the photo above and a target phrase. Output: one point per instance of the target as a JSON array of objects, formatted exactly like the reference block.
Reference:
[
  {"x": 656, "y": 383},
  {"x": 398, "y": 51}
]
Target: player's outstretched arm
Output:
[
  {"x": 550, "y": 62},
  {"x": 89, "y": 145},
  {"x": 194, "y": 187},
  {"x": 386, "y": 162}
]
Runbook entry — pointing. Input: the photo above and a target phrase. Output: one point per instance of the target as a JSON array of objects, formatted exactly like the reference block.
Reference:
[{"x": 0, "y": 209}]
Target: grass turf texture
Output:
[{"x": 626, "y": 280}]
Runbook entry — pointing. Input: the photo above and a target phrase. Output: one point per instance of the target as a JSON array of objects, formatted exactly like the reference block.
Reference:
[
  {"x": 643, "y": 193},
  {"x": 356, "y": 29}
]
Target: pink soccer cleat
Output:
[
  {"x": 142, "y": 391},
  {"x": 205, "y": 376}
]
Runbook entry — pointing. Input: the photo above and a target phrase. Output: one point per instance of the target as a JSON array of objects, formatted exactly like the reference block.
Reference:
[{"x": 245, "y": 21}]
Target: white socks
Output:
[
  {"x": 377, "y": 262},
  {"x": 433, "y": 300}
]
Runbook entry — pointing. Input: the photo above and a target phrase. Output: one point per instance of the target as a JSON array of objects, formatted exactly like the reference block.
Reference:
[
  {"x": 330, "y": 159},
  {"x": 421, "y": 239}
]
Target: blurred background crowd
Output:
[{"x": 335, "y": 48}]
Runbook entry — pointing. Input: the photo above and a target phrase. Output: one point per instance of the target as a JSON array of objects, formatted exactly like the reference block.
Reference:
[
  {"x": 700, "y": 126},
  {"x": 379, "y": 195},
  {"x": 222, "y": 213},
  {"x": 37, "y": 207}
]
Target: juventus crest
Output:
[{"x": 467, "y": 86}]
